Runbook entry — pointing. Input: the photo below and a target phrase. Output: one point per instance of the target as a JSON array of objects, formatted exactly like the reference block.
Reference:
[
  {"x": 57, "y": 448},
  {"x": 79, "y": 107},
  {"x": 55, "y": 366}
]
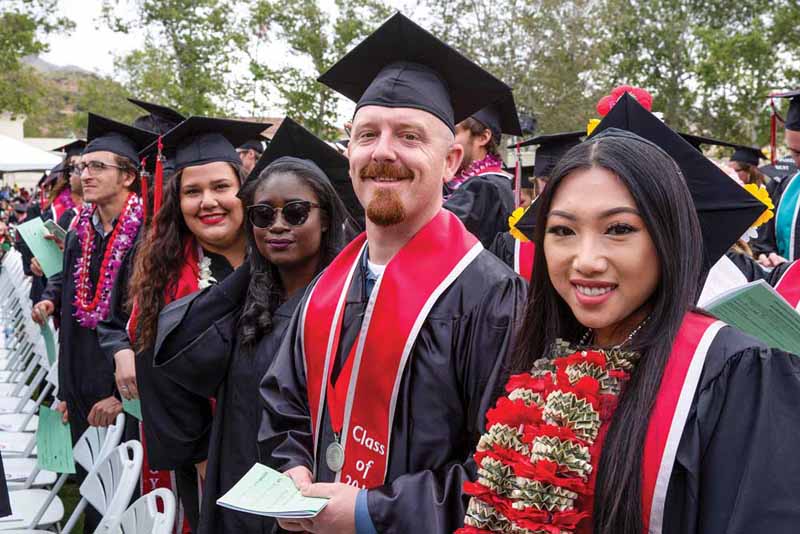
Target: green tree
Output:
[
  {"x": 541, "y": 48},
  {"x": 190, "y": 54},
  {"x": 316, "y": 38},
  {"x": 23, "y": 26}
]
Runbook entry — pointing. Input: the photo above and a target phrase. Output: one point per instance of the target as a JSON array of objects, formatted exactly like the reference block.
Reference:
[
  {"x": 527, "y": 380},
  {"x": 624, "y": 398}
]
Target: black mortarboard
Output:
[
  {"x": 117, "y": 137},
  {"x": 526, "y": 175},
  {"x": 163, "y": 112},
  {"x": 792, "y": 119},
  {"x": 57, "y": 171},
  {"x": 75, "y": 148},
  {"x": 259, "y": 144},
  {"x": 201, "y": 140},
  {"x": 527, "y": 223},
  {"x": 698, "y": 141},
  {"x": 401, "y": 65},
  {"x": 292, "y": 140},
  {"x": 748, "y": 154},
  {"x": 724, "y": 208},
  {"x": 783, "y": 167},
  {"x": 549, "y": 150},
  {"x": 500, "y": 117}
]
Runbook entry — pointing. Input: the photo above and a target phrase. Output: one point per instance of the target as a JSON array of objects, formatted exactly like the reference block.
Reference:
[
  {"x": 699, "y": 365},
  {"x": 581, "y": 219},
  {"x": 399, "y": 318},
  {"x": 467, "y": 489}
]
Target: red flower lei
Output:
[
  {"x": 91, "y": 307},
  {"x": 537, "y": 462}
]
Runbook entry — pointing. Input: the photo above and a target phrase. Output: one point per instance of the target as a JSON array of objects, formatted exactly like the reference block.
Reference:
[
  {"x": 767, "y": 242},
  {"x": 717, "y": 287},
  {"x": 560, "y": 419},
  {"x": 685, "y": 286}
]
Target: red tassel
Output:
[
  {"x": 144, "y": 187},
  {"x": 517, "y": 178},
  {"x": 158, "y": 179}
]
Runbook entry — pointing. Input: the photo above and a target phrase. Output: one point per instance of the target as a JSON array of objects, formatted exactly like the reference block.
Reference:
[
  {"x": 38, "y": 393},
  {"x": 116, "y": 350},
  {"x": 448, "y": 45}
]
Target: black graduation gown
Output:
[
  {"x": 503, "y": 248},
  {"x": 483, "y": 203},
  {"x": 455, "y": 370},
  {"x": 753, "y": 271},
  {"x": 165, "y": 449},
  {"x": 737, "y": 467},
  {"x": 85, "y": 370},
  {"x": 200, "y": 352}
]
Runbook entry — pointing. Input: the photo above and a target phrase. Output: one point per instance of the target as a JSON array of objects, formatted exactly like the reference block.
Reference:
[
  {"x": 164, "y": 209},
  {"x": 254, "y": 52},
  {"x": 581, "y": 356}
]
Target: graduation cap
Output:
[
  {"x": 724, "y": 208},
  {"x": 165, "y": 117},
  {"x": 501, "y": 117},
  {"x": 201, "y": 140},
  {"x": 527, "y": 223},
  {"x": 781, "y": 168},
  {"x": 292, "y": 140},
  {"x": 401, "y": 65},
  {"x": 112, "y": 136},
  {"x": 259, "y": 144},
  {"x": 792, "y": 120},
  {"x": 549, "y": 150},
  {"x": 698, "y": 141},
  {"x": 748, "y": 154},
  {"x": 526, "y": 175},
  {"x": 75, "y": 148}
]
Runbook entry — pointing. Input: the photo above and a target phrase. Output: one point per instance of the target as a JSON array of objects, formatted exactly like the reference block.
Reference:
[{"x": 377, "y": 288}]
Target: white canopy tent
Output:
[{"x": 18, "y": 156}]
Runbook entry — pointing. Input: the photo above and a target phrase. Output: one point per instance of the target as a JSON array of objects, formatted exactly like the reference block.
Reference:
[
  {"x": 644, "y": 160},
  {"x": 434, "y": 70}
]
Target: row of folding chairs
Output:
[{"x": 28, "y": 380}]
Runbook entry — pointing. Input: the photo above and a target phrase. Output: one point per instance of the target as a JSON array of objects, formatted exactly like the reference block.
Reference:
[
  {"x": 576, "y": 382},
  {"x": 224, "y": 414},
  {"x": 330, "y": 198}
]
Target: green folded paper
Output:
[
  {"x": 133, "y": 407},
  {"x": 54, "y": 443},
  {"x": 757, "y": 309},
  {"x": 264, "y": 491},
  {"x": 47, "y": 252},
  {"x": 49, "y": 343}
]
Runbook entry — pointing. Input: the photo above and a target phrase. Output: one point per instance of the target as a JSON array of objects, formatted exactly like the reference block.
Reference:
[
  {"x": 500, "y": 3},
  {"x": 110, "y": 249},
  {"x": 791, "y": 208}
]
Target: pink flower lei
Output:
[{"x": 90, "y": 308}]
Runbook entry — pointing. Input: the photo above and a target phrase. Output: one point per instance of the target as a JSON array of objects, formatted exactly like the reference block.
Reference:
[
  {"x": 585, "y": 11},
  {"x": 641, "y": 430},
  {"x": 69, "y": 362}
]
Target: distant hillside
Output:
[{"x": 66, "y": 94}]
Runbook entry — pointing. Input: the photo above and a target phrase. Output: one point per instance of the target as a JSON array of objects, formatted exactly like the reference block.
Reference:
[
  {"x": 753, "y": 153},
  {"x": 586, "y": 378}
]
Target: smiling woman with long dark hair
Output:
[
  {"x": 221, "y": 342},
  {"x": 632, "y": 412}
]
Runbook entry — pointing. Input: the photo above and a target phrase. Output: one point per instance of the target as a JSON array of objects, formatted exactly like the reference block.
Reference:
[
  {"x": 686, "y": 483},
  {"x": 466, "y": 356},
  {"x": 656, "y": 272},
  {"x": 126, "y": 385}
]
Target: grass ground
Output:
[{"x": 70, "y": 496}]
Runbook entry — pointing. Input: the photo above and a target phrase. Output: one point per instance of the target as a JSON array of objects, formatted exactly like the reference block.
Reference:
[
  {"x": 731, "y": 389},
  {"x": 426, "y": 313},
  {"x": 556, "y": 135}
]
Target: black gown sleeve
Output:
[
  {"x": 112, "y": 333},
  {"x": 738, "y": 454},
  {"x": 482, "y": 341},
  {"x": 503, "y": 248},
  {"x": 750, "y": 268},
  {"x": 285, "y": 438},
  {"x": 481, "y": 204}
]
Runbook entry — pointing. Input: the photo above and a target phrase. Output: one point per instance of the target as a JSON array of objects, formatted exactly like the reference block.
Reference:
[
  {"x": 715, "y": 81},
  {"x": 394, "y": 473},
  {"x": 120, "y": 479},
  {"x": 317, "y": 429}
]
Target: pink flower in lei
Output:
[
  {"x": 476, "y": 167},
  {"x": 90, "y": 308},
  {"x": 64, "y": 198}
]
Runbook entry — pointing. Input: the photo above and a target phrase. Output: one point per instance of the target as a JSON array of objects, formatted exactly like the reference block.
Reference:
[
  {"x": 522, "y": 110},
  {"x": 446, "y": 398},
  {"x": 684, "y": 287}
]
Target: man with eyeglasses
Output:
[{"x": 94, "y": 252}]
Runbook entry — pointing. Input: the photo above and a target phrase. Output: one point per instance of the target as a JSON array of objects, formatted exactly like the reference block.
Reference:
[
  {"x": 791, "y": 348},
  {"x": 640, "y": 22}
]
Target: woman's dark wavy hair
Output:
[
  {"x": 663, "y": 200},
  {"x": 265, "y": 292},
  {"x": 158, "y": 260}
]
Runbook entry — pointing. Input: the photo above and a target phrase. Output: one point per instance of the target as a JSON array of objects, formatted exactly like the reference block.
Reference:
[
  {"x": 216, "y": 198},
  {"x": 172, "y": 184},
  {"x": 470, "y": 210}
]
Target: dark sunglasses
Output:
[{"x": 295, "y": 213}]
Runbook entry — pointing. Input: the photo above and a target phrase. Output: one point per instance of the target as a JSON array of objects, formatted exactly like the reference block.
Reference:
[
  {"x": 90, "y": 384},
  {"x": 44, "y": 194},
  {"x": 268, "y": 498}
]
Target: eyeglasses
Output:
[
  {"x": 294, "y": 213},
  {"x": 94, "y": 167}
]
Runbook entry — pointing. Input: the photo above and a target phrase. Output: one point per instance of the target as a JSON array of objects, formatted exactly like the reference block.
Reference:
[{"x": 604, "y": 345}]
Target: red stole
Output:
[
  {"x": 362, "y": 402},
  {"x": 671, "y": 409},
  {"x": 523, "y": 258},
  {"x": 789, "y": 285},
  {"x": 186, "y": 284}
]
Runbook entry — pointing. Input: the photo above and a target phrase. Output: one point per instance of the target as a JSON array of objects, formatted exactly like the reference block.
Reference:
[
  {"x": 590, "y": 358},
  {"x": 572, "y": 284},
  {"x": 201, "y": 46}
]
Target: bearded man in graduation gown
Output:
[
  {"x": 94, "y": 252},
  {"x": 481, "y": 193},
  {"x": 382, "y": 382}
]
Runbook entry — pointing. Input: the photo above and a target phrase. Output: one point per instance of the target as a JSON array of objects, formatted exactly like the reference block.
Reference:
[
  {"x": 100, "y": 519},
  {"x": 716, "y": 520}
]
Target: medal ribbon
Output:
[{"x": 362, "y": 402}]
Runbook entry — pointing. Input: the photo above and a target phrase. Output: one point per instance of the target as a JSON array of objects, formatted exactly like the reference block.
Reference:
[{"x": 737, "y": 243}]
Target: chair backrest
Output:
[
  {"x": 97, "y": 442},
  {"x": 143, "y": 516},
  {"x": 110, "y": 486}
]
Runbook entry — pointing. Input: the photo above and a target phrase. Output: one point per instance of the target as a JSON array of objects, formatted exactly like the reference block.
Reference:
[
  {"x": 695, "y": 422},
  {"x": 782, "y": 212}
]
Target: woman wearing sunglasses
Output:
[
  {"x": 221, "y": 342},
  {"x": 634, "y": 412},
  {"x": 195, "y": 239}
]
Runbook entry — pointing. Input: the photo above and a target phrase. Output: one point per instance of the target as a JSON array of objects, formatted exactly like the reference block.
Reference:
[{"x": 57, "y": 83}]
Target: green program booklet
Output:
[
  {"x": 264, "y": 491},
  {"x": 133, "y": 407},
  {"x": 757, "y": 309},
  {"x": 47, "y": 252},
  {"x": 54, "y": 443}
]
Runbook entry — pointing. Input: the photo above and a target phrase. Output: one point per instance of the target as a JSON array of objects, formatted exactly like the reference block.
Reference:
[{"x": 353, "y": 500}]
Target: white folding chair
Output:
[
  {"x": 143, "y": 517},
  {"x": 108, "y": 488},
  {"x": 39, "y": 507}
]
